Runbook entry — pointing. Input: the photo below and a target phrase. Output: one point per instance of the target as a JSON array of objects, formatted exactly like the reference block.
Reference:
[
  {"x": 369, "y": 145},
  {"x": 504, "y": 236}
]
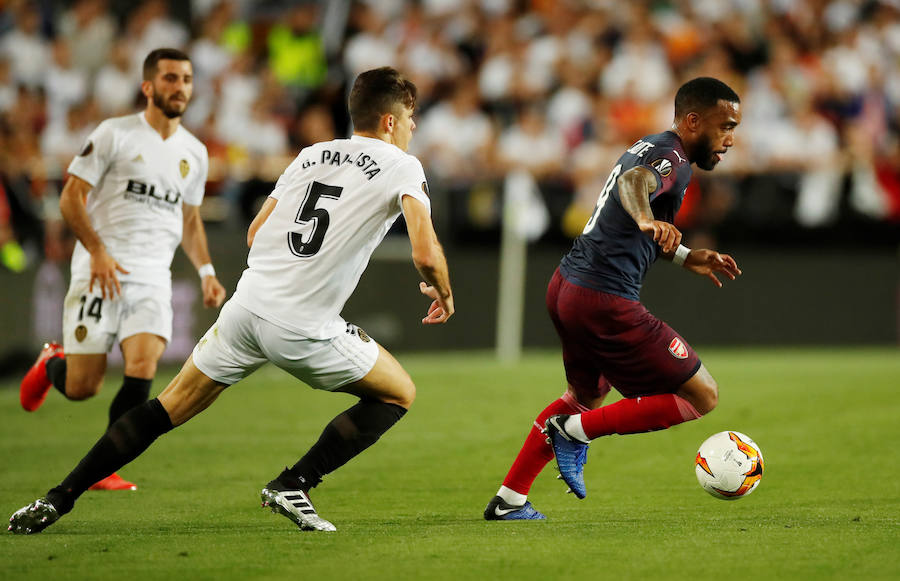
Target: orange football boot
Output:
[{"x": 35, "y": 385}]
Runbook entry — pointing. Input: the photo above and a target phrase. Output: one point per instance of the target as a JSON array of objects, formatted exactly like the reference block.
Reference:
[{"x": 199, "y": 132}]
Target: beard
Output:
[
  {"x": 169, "y": 109},
  {"x": 706, "y": 159}
]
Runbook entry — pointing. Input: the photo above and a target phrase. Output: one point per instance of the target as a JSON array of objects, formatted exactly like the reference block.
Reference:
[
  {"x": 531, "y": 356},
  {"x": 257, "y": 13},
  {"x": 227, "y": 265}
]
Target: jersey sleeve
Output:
[
  {"x": 197, "y": 188},
  {"x": 409, "y": 180},
  {"x": 96, "y": 155},
  {"x": 665, "y": 166}
]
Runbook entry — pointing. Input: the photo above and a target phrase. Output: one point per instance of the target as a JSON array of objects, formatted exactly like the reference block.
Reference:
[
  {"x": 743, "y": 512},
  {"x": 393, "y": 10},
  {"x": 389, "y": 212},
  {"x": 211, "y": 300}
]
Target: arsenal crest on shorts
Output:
[{"x": 678, "y": 349}]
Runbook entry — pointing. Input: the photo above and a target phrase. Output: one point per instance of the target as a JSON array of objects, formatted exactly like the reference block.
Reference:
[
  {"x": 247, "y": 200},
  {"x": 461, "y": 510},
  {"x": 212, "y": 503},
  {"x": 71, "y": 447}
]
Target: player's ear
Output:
[
  {"x": 692, "y": 120},
  {"x": 147, "y": 89},
  {"x": 387, "y": 122}
]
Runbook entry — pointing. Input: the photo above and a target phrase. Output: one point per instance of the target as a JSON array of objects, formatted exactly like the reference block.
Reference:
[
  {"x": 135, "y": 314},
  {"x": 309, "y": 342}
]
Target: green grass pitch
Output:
[{"x": 828, "y": 507}]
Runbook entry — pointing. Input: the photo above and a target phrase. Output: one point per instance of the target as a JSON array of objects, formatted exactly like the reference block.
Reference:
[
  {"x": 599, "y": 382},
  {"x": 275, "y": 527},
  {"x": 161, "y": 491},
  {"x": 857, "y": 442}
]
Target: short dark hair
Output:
[
  {"x": 702, "y": 93},
  {"x": 377, "y": 92},
  {"x": 152, "y": 61}
]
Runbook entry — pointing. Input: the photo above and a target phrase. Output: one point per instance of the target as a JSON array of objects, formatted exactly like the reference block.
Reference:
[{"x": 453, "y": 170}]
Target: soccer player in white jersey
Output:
[
  {"x": 309, "y": 244},
  {"x": 132, "y": 195}
]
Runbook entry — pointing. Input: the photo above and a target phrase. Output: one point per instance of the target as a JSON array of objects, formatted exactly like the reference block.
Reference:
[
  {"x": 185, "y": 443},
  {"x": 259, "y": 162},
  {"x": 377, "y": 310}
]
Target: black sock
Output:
[
  {"x": 347, "y": 435},
  {"x": 56, "y": 373},
  {"x": 134, "y": 392},
  {"x": 124, "y": 441}
]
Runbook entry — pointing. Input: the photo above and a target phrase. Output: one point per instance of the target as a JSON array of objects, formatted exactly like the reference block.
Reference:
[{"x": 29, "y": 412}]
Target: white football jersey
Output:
[
  {"x": 139, "y": 183},
  {"x": 336, "y": 202}
]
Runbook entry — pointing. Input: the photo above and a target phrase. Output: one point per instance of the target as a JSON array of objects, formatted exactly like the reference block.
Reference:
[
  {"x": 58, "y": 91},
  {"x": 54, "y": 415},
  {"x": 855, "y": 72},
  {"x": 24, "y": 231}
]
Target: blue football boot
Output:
[
  {"x": 499, "y": 509},
  {"x": 571, "y": 454}
]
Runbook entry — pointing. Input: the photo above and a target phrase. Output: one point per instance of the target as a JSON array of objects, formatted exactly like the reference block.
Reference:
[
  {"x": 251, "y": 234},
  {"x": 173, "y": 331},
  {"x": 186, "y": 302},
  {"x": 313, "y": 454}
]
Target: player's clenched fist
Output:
[{"x": 666, "y": 235}]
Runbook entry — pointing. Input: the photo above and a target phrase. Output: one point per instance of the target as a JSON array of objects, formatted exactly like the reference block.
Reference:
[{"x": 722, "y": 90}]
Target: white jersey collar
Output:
[
  {"x": 143, "y": 116},
  {"x": 370, "y": 140}
]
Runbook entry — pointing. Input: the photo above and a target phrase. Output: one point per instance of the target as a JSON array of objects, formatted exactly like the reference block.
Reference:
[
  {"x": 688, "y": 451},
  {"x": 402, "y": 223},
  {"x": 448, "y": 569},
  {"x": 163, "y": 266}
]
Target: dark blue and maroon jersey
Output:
[{"x": 612, "y": 255}]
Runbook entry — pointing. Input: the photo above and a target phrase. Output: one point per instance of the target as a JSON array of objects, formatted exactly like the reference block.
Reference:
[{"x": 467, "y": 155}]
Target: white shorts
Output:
[
  {"x": 91, "y": 324},
  {"x": 240, "y": 342}
]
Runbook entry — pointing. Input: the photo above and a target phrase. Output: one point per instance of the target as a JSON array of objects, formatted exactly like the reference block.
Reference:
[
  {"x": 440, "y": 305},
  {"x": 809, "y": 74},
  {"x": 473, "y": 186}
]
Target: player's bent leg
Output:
[
  {"x": 701, "y": 391},
  {"x": 189, "y": 393},
  {"x": 387, "y": 382},
  {"x": 385, "y": 392},
  {"x": 536, "y": 452},
  {"x": 141, "y": 353},
  {"x": 84, "y": 375}
]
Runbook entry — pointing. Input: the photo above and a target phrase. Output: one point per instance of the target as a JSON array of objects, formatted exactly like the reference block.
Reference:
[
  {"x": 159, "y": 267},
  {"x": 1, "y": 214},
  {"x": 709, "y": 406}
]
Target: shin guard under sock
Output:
[
  {"x": 124, "y": 441},
  {"x": 636, "y": 415},
  {"x": 535, "y": 452},
  {"x": 134, "y": 392},
  {"x": 344, "y": 437}
]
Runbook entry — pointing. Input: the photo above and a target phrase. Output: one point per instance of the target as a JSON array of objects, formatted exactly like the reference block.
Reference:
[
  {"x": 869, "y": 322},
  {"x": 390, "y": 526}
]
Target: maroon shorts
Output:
[{"x": 608, "y": 339}]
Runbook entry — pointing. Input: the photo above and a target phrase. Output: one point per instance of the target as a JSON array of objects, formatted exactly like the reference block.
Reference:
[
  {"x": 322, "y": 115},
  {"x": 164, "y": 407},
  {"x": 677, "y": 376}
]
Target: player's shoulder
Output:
[
  {"x": 410, "y": 162},
  {"x": 192, "y": 142},
  {"x": 115, "y": 125},
  {"x": 667, "y": 144},
  {"x": 121, "y": 123}
]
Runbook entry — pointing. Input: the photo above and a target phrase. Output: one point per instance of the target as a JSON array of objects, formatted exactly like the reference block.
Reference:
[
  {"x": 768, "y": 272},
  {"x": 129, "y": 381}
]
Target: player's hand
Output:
[
  {"x": 709, "y": 262},
  {"x": 440, "y": 310},
  {"x": 103, "y": 271},
  {"x": 213, "y": 292},
  {"x": 666, "y": 235}
]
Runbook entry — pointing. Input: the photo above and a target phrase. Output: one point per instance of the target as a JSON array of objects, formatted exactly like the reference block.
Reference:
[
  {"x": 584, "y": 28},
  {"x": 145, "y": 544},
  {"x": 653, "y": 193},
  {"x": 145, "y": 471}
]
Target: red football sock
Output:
[
  {"x": 535, "y": 452},
  {"x": 640, "y": 414}
]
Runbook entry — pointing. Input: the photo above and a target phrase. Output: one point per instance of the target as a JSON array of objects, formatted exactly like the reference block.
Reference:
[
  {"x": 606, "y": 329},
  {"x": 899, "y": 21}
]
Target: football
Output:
[{"x": 729, "y": 465}]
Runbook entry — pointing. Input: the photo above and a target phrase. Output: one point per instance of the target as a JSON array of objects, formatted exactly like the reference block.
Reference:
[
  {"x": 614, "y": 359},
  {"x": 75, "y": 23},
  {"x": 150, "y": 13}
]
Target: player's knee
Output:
[
  {"x": 408, "y": 395},
  {"x": 143, "y": 367},
  {"x": 78, "y": 389},
  {"x": 404, "y": 395},
  {"x": 708, "y": 397}
]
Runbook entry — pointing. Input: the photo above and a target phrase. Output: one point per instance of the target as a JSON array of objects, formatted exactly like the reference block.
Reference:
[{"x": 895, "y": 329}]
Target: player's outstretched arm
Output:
[
  {"x": 103, "y": 266},
  {"x": 707, "y": 263},
  {"x": 193, "y": 241},
  {"x": 428, "y": 256},
  {"x": 635, "y": 187}
]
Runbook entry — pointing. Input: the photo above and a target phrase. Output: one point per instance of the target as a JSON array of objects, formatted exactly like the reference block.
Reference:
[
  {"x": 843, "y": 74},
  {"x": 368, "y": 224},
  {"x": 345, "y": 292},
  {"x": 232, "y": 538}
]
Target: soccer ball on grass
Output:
[{"x": 729, "y": 465}]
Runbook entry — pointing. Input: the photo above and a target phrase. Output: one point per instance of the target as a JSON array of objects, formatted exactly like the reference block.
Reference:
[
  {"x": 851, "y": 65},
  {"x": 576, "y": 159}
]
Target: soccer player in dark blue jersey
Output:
[{"x": 608, "y": 338}]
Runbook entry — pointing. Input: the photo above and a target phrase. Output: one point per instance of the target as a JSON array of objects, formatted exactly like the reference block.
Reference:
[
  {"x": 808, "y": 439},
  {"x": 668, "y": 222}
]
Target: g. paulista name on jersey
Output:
[{"x": 364, "y": 162}]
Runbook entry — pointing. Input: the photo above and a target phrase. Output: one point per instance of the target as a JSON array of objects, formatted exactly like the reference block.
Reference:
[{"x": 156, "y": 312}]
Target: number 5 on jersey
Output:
[
  {"x": 318, "y": 218},
  {"x": 604, "y": 195}
]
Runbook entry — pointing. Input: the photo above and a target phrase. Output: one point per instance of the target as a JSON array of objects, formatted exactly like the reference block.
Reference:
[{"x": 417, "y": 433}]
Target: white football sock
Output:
[
  {"x": 512, "y": 497},
  {"x": 574, "y": 428}
]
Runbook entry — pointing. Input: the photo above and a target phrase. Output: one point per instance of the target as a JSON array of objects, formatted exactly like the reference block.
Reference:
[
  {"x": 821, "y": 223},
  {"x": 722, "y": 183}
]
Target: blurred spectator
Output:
[
  {"x": 115, "y": 87},
  {"x": 26, "y": 49},
  {"x": 368, "y": 48},
  {"x": 296, "y": 53},
  {"x": 559, "y": 88},
  {"x": 150, "y": 26},
  {"x": 456, "y": 137},
  {"x": 313, "y": 125},
  {"x": 7, "y": 87},
  {"x": 64, "y": 82},
  {"x": 530, "y": 144},
  {"x": 89, "y": 30},
  {"x": 64, "y": 138}
]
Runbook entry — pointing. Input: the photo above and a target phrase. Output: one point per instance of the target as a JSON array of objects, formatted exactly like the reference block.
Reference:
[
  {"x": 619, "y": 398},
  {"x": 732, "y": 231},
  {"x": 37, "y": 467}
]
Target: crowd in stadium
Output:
[{"x": 558, "y": 88}]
